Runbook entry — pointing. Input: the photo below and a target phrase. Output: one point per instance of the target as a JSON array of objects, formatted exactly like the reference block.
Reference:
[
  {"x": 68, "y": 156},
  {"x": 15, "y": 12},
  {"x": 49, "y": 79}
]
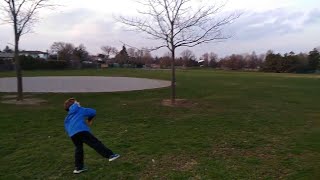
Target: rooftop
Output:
[
  {"x": 33, "y": 52},
  {"x": 6, "y": 55}
]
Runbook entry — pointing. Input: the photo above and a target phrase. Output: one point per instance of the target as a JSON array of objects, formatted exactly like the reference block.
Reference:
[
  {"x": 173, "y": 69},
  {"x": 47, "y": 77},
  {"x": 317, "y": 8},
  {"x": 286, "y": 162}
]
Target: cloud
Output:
[
  {"x": 94, "y": 27},
  {"x": 277, "y": 22},
  {"x": 5, "y": 39},
  {"x": 313, "y": 17},
  {"x": 63, "y": 21}
]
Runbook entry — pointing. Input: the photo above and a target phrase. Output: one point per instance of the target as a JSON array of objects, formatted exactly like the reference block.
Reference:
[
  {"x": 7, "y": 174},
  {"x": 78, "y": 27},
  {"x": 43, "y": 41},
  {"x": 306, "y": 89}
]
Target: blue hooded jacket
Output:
[{"x": 75, "y": 120}]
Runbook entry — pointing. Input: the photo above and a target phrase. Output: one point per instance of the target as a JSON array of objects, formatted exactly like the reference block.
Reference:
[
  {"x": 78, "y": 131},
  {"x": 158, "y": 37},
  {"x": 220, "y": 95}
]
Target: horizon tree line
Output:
[{"x": 267, "y": 62}]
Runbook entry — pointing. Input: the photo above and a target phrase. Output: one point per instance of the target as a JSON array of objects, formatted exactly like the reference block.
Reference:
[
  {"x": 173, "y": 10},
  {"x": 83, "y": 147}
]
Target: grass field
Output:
[{"x": 244, "y": 126}]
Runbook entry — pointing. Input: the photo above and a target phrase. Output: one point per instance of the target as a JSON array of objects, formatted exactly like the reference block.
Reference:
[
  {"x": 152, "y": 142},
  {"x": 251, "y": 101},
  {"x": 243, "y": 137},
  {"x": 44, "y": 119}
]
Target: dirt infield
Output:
[{"x": 80, "y": 84}]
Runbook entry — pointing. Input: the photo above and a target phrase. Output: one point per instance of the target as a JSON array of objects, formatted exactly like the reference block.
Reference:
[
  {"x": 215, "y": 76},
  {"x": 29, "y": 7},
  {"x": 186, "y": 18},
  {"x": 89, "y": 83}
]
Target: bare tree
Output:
[
  {"x": 22, "y": 14},
  {"x": 206, "y": 58},
  {"x": 131, "y": 52},
  {"x": 108, "y": 50},
  {"x": 64, "y": 51},
  {"x": 177, "y": 24},
  {"x": 213, "y": 58},
  {"x": 147, "y": 57},
  {"x": 187, "y": 55},
  {"x": 140, "y": 56}
]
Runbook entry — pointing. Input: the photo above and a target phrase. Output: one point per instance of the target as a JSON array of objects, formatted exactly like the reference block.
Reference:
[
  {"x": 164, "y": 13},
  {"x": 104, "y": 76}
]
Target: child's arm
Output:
[
  {"x": 90, "y": 121},
  {"x": 89, "y": 114}
]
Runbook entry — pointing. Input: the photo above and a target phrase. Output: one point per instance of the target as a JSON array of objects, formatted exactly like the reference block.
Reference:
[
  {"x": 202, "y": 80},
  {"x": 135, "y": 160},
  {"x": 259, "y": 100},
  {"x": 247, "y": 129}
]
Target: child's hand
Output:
[{"x": 89, "y": 122}]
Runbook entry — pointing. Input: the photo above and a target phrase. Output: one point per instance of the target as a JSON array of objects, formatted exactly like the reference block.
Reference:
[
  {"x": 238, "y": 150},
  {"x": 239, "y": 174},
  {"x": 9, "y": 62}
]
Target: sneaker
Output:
[
  {"x": 114, "y": 157},
  {"x": 78, "y": 171}
]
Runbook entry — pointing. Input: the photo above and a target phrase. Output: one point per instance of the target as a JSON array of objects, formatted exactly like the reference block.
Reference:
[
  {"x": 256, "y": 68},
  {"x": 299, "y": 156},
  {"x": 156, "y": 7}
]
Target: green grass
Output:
[{"x": 244, "y": 126}]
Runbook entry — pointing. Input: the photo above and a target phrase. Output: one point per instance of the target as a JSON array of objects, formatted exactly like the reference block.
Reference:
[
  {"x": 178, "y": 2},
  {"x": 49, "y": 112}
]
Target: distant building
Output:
[
  {"x": 96, "y": 58},
  {"x": 35, "y": 54},
  {"x": 155, "y": 66},
  {"x": 6, "y": 63},
  {"x": 6, "y": 56}
]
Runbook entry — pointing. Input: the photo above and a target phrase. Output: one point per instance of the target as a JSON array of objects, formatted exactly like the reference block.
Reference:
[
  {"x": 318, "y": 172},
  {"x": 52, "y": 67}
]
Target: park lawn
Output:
[{"x": 241, "y": 126}]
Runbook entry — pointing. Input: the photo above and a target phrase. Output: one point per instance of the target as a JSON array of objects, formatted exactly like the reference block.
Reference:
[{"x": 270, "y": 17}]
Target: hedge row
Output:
[{"x": 29, "y": 63}]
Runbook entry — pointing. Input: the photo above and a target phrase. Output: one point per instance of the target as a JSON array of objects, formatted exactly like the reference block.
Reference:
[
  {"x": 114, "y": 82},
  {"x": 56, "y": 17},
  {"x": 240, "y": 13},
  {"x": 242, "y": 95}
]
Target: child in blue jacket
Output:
[{"x": 76, "y": 125}]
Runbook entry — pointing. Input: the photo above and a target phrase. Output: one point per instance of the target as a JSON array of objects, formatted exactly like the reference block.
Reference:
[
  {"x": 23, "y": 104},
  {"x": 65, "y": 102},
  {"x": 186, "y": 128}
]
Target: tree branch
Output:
[
  {"x": 148, "y": 49},
  {"x": 176, "y": 24}
]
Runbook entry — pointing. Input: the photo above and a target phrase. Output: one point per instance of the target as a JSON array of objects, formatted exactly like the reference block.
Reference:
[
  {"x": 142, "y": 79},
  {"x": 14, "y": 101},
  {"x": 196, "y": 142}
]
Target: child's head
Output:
[{"x": 69, "y": 102}]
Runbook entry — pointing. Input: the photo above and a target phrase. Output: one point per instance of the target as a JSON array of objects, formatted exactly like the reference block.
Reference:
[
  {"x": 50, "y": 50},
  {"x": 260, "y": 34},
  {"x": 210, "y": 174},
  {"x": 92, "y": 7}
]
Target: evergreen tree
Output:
[
  {"x": 122, "y": 57},
  {"x": 272, "y": 63},
  {"x": 314, "y": 59},
  {"x": 7, "y": 50}
]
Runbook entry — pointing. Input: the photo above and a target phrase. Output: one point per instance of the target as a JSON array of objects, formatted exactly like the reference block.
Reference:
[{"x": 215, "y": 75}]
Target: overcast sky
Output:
[{"x": 279, "y": 25}]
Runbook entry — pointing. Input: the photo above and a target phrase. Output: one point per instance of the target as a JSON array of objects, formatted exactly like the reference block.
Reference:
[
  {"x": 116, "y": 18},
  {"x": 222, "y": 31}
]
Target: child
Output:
[{"x": 77, "y": 128}]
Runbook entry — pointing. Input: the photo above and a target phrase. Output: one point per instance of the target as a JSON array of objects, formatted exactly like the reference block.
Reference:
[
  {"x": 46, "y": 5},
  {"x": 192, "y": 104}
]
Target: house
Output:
[
  {"x": 96, "y": 58},
  {"x": 35, "y": 54},
  {"x": 6, "y": 63},
  {"x": 6, "y": 56}
]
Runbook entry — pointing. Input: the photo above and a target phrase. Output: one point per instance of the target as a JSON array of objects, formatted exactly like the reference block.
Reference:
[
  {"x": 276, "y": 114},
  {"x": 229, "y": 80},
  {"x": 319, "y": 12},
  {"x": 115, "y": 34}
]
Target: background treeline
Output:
[{"x": 66, "y": 55}]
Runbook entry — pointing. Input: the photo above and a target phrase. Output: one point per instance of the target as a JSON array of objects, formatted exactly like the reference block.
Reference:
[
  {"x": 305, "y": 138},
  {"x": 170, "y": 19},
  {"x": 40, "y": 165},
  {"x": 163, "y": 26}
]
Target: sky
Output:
[{"x": 278, "y": 25}]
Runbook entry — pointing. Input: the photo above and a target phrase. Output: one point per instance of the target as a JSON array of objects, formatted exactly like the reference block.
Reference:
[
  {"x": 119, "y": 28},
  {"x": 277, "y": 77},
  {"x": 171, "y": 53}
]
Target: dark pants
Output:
[{"x": 86, "y": 137}]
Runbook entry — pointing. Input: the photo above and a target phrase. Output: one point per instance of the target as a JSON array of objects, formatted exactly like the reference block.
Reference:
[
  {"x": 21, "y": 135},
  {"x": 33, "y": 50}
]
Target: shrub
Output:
[{"x": 30, "y": 63}]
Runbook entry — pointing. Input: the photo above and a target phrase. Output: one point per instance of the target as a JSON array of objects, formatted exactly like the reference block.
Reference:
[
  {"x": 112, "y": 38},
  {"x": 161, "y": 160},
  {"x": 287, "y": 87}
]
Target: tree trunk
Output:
[
  {"x": 173, "y": 78},
  {"x": 18, "y": 71},
  {"x": 17, "y": 35}
]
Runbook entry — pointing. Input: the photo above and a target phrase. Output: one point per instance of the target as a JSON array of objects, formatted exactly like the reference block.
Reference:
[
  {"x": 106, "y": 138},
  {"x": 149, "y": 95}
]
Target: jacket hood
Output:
[{"x": 74, "y": 108}]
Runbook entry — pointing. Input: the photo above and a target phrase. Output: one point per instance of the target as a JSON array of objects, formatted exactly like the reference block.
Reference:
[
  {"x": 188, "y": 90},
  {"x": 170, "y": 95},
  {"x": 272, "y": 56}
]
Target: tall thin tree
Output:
[
  {"x": 176, "y": 23},
  {"x": 22, "y": 14}
]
